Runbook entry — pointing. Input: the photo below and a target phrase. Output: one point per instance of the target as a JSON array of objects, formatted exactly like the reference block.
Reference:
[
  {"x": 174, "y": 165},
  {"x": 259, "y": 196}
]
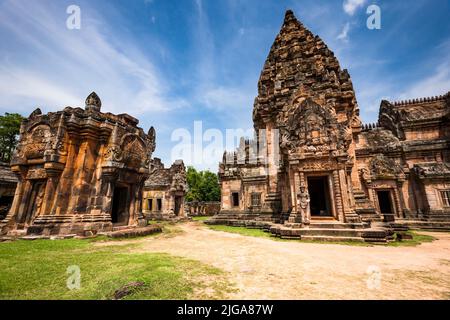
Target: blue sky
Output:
[{"x": 170, "y": 63}]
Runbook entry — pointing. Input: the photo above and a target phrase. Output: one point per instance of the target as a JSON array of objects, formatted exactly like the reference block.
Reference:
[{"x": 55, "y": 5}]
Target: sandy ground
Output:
[{"x": 266, "y": 269}]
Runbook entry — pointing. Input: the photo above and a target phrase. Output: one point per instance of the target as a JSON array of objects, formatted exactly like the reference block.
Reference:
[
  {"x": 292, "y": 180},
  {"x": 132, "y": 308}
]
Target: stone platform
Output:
[{"x": 318, "y": 231}]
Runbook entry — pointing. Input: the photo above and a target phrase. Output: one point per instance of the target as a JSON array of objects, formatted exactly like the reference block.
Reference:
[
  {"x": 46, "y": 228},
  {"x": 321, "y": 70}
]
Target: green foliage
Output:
[
  {"x": 203, "y": 185},
  {"x": 9, "y": 134}
]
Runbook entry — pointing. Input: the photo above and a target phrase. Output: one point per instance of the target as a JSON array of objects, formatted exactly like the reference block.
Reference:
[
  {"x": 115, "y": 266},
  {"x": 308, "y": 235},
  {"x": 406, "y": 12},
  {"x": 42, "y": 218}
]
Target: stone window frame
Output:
[
  {"x": 159, "y": 204},
  {"x": 444, "y": 195},
  {"x": 252, "y": 203},
  {"x": 150, "y": 203}
]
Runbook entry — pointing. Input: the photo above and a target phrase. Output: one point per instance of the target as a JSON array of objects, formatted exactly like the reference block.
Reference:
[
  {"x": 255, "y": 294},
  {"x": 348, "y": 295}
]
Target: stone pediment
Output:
[
  {"x": 382, "y": 167},
  {"x": 313, "y": 129},
  {"x": 432, "y": 170},
  {"x": 381, "y": 139}
]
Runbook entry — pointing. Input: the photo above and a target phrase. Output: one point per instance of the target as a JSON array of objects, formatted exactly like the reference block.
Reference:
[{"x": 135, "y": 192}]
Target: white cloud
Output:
[
  {"x": 223, "y": 98},
  {"x": 435, "y": 84},
  {"x": 344, "y": 33},
  {"x": 350, "y": 6},
  {"x": 64, "y": 66}
]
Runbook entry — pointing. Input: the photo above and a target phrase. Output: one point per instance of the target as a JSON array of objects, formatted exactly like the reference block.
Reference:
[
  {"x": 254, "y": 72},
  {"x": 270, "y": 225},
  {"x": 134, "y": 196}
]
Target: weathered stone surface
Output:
[
  {"x": 79, "y": 171},
  {"x": 204, "y": 209},
  {"x": 135, "y": 232}
]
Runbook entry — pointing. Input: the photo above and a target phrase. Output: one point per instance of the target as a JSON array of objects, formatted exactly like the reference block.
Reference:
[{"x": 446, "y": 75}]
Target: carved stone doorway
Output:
[
  {"x": 319, "y": 193},
  {"x": 121, "y": 206}
]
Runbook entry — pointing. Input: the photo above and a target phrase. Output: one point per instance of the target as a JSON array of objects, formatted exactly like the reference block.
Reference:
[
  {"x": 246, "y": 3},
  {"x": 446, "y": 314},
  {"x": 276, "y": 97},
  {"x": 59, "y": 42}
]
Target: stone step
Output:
[
  {"x": 290, "y": 232},
  {"x": 135, "y": 232},
  {"x": 425, "y": 225},
  {"x": 332, "y": 239},
  {"x": 338, "y": 225}
]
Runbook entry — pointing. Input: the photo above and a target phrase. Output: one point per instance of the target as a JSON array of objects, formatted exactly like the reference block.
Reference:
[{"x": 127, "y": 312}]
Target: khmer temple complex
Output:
[
  {"x": 318, "y": 172},
  {"x": 80, "y": 172}
]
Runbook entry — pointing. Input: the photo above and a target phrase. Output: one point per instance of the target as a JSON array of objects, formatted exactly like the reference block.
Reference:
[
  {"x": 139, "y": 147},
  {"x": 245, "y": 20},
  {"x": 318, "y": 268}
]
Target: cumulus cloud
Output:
[{"x": 350, "y": 6}]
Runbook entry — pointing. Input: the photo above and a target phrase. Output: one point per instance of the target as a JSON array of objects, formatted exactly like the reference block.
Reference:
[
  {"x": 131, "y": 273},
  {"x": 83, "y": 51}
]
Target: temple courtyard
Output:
[{"x": 193, "y": 261}]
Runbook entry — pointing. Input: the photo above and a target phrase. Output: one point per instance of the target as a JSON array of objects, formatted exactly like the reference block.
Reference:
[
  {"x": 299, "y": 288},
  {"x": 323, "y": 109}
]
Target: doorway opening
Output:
[
  {"x": 235, "y": 199},
  {"x": 119, "y": 212},
  {"x": 319, "y": 193},
  {"x": 150, "y": 204},
  {"x": 159, "y": 205},
  {"x": 178, "y": 203},
  {"x": 384, "y": 200}
]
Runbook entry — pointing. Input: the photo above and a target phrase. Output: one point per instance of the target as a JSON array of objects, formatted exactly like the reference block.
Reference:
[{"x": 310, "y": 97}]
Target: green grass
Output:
[
  {"x": 417, "y": 238},
  {"x": 243, "y": 231},
  {"x": 200, "y": 218},
  {"x": 37, "y": 270}
]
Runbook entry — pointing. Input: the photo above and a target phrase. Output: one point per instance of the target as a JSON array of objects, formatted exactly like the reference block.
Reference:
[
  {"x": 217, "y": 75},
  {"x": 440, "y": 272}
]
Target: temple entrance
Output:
[
  {"x": 320, "y": 197},
  {"x": 384, "y": 201},
  {"x": 178, "y": 202},
  {"x": 120, "y": 207}
]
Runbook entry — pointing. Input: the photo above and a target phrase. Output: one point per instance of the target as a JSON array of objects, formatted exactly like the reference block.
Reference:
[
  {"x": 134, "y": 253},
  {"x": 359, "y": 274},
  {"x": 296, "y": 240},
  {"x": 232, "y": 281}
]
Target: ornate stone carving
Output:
[
  {"x": 384, "y": 167},
  {"x": 93, "y": 102},
  {"x": 303, "y": 200},
  {"x": 313, "y": 129}
]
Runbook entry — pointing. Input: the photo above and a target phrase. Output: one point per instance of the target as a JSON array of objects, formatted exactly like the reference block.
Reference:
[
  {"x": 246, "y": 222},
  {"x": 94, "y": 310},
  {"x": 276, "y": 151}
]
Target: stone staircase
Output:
[
  {"x": 322, "y": 231},
  {"x": 422, "y": 224}
]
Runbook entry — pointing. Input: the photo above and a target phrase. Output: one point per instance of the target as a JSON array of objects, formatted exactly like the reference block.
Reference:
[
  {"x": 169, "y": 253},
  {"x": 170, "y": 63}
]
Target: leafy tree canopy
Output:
[
  {"x": 203, "y": 185},
  {"x": 9, "y": 134}
]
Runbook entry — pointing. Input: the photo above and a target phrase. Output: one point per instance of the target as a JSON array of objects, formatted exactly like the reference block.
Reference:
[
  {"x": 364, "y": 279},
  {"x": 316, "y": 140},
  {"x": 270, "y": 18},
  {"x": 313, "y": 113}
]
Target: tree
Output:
[
  {"x": 9, "y": 134},
  {"x": 203, "y": 185}
]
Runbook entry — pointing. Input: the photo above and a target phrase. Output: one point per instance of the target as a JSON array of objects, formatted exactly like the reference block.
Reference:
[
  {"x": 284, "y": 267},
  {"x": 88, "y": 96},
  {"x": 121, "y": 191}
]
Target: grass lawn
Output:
[
  {"x": 38, "y": 270},
  {"x": 417, "y": 238},
  {"x": 200, "y": 218}
]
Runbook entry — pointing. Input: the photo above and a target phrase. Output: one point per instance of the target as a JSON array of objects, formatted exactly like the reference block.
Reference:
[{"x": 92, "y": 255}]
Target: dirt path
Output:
[{"x": 266, "y": 269}]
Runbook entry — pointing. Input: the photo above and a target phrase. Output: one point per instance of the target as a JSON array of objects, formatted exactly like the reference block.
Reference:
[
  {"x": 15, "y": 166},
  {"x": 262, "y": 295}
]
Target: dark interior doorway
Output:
[
  {"x": 5, "y": 205},
  {"x": 235, "y": 199},
  {"x": 384, "y": 200},
  {"x": 158, "y": 205},
  {"x": 119, "y": 213},
  {"x": 319, "y": 194},
  {"x": 178, "y": 203},
  {"x": 150, "y": 204}
]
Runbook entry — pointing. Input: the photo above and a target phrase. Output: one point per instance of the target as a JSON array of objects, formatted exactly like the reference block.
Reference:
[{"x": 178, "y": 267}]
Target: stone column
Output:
[
  {"x": 50, "y": 193},
  {"x": 337, "y": 193},
  {"x": 399, "y": 199}
]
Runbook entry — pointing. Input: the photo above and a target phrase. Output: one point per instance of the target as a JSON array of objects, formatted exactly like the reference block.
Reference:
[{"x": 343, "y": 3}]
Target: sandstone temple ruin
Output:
[
  {"x": 80, "y": 171},
  {"x": 164, "y": 191},
  {"x": 334, "y": 176}
]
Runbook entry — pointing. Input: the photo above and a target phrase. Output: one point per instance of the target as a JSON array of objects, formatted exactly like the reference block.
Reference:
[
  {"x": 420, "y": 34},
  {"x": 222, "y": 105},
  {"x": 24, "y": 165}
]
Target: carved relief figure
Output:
[{"x": 303, "y": 201}]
